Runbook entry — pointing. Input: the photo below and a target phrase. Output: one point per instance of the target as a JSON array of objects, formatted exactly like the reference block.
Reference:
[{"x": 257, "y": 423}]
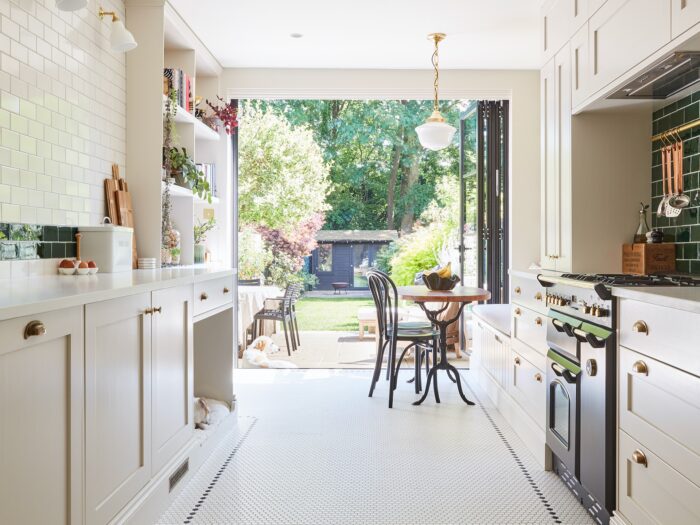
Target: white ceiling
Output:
[{"x": 481, "y": 34}]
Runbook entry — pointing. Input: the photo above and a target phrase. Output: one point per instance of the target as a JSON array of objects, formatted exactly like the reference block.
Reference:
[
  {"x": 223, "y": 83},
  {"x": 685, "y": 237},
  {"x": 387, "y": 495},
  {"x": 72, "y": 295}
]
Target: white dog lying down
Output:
[
  {"x": 209, "y": 412},
  {"x": 255, "y": 356}
]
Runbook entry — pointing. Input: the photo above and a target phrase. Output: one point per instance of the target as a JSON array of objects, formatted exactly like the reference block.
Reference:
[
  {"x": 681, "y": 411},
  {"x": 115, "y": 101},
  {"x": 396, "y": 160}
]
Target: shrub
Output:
[
  {"x": 416, "y": 252},
  {"x": 253, "y": 256}
]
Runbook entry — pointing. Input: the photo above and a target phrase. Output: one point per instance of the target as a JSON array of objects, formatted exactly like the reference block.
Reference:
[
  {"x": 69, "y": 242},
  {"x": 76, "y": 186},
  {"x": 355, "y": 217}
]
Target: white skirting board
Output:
[
  {"x": 532, "y": 434},
  {"x": 155, "y": 497}
]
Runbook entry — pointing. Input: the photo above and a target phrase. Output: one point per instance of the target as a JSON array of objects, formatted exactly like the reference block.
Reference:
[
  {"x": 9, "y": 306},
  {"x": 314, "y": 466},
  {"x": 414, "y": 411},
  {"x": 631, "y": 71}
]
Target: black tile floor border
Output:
[
  {"x": 215, "y": 479},
  {"x": 533, "y": 484}
]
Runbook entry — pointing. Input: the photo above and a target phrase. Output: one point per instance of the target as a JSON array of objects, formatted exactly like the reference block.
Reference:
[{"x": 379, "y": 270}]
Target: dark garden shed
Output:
[{"x": 344, "y": 256}]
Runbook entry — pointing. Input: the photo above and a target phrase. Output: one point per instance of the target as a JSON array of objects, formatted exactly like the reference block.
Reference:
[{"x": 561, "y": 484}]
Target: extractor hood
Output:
[{"x": 664, "y": 78}]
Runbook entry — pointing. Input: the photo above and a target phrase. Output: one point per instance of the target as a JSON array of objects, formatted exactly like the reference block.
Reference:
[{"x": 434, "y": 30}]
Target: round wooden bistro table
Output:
[{"x": 422, "y": 296}]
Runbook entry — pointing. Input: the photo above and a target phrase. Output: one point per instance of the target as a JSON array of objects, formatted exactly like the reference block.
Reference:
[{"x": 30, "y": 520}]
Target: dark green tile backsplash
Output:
[
  {"x": 684, "y": 230},
  {"x": 32, "y": 241}
]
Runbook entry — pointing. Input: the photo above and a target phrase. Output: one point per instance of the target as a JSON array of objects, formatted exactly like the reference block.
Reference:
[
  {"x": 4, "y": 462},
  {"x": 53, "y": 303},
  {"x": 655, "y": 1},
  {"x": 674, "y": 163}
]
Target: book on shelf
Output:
[
  {"x": 183, "y": 85},
  {"x": 209, "y": 171}
]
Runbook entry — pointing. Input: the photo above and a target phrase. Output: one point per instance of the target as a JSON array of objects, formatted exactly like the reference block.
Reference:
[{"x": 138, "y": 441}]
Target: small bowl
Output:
[
  {"x": 93, "y": 271},
  {"x": 83, "y": 271},
  {"x": 66, "y": 271},
  {"x": 434, "y": 282}
]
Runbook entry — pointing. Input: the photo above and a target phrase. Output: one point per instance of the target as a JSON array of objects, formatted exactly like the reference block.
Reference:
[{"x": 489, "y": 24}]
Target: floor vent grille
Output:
[{"x": 176, "y": 476}]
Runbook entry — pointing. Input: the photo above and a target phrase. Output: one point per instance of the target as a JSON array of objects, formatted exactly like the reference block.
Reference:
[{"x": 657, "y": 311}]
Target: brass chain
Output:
[{"x": 437, "y": 73}]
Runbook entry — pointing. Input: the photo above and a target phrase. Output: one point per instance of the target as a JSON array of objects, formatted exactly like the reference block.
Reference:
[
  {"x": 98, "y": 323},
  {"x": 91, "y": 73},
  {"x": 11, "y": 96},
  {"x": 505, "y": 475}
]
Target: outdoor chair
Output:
[
  {"x": 280, "y": 309},
  {"x": 420, "y": 335}
]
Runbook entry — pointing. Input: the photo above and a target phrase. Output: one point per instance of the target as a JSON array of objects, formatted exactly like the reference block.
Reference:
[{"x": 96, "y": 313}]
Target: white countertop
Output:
[
  {"x": 495, "y": 315},
  {"x": 680, "y": 298},
  {"x": 19, "y": 297}
]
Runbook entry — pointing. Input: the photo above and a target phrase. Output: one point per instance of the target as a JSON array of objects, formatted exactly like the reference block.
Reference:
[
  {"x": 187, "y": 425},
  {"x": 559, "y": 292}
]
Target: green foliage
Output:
[
  {"x": 416, "y": 252},
  {"x": 283, "y": 179},
  {"x": 253, "y": 255},
  {"x": 201, "y": 229},
  {"x": 384, "y": 256},
  {"x": 185, "y": 169}
]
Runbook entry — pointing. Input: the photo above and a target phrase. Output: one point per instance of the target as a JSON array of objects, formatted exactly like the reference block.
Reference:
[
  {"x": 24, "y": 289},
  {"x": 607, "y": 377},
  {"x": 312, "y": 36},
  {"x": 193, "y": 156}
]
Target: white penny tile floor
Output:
[{"x": 311, "y": 448}]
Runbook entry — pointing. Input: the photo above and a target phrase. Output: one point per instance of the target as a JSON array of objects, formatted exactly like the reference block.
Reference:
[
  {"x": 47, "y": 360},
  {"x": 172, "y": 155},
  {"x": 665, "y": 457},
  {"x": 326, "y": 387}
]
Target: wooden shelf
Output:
[{"x": 201, "y": 130}]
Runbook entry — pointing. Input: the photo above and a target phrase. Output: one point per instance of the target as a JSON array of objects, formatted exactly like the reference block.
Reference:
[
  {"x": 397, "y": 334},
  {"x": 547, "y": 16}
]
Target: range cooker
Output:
[{"x": 582, "y": 379}]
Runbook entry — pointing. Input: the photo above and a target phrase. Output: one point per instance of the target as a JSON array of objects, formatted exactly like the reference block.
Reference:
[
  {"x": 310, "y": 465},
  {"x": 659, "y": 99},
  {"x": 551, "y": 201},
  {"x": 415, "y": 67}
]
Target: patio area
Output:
[{"x": 341, "y": 349}]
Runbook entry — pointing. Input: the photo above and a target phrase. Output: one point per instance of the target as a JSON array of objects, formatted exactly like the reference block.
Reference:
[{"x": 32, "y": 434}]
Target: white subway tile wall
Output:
[{"x": 62, "y": 111}]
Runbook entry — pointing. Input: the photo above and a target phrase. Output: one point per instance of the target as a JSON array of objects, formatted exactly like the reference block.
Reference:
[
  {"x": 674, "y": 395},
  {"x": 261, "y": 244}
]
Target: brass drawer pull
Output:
[
  {"x": 517, "y": 360},
  {"x": 517, "y": 290},
  {"x": 538, "y": 377},
  {"x": 639, "y": 458},
  {"x": 640, "y": 367},
  {"x": 640, "y": 327},
  {"x": 158, "y": 310},
  {"x": 204, "y": 296},
  {"x": 517, "y": 311},
  {"x": 538, "y": 321},
  {"x": 34, "y": 328},
  {"x": 538, "y": 296},
  {"x": 226, "y": 290}
]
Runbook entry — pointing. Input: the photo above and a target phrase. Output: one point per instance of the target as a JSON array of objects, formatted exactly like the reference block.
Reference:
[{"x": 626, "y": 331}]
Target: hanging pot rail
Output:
[{"x": 674, "y": 131}]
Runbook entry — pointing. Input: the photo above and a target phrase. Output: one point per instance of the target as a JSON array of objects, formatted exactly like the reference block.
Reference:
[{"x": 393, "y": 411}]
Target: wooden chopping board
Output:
[
  {"x": 126, "y": 218},
  {"x": 111, "y": 200}
]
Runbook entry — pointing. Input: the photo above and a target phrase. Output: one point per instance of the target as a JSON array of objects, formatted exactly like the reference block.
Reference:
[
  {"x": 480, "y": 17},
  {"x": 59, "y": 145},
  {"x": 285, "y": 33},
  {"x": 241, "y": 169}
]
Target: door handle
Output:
[
  {"x": 204, "y": 296},
  {"x": 33, "y": 329},
  {"x": 639, "y": 458},
  {"x": 226, "y": 290},
  {"x": 640, "y": 327},
  {"x": 640, "y": 367}
]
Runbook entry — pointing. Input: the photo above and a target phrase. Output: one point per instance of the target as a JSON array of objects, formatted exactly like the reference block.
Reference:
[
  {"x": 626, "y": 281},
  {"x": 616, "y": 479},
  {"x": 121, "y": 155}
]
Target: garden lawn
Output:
[{"x": 338, "y": 314}]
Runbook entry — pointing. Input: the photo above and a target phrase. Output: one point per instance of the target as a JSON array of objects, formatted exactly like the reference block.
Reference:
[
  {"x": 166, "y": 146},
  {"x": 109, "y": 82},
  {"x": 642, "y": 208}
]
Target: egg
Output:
[
  {"x": 66, "y": 263},
  {"x": 91, "y": 264},
  {"x": 83, "y": 264}
]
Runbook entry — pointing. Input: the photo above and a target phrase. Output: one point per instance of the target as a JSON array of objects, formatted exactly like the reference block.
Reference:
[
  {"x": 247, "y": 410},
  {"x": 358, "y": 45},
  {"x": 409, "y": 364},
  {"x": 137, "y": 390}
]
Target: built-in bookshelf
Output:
[{"x": 167, "y": 43}]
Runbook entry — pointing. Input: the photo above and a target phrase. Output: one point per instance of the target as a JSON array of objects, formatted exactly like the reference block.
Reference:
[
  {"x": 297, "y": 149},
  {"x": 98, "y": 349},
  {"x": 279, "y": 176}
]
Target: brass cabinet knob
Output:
[
  {"x": 538, "y": 296},
  {"x": 639, "y": 458},
  {"x": 538, "y": 321},
  {"x": 517, "y": 290},
  {"x": 33, "y": 329},
  {"x": 158, "y": 310},
  {"x": 226, "y": 290},
  {"x": 538, "y": 377},
  {"x": 640, "y": 327},
  {"x": 517, "y": 311},
  {"x": 204, "y": 296},
  {"x": 640, "y": 367},
  {"x": 517, "y": 360}
]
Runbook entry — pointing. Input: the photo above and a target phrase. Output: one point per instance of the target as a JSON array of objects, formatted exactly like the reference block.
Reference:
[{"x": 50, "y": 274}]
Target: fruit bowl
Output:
[{"x": 434, "y": 282}]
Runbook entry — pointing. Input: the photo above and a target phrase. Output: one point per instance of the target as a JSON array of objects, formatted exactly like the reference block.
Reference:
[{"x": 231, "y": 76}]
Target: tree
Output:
[{"x": 283, "y": 178}]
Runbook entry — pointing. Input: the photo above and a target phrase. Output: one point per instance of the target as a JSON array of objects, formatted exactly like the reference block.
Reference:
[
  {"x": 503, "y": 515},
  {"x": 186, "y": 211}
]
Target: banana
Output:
[{"x": 446, "y": 271}]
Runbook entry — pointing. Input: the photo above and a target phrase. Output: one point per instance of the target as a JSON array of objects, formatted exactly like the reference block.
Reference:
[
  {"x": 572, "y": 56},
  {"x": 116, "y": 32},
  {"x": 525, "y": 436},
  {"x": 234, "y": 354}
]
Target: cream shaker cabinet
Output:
[
  {"x": 172, "y": 373},
  {"x": 117, "y": 403},
  {"x": 41, "y": 433},
  {"x": 684, "y": 15},
  {"x": 555, "y": 86}
]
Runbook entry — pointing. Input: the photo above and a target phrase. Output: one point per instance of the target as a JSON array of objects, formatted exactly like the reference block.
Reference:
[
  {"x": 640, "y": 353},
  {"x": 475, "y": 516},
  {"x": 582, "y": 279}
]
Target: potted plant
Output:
[
  {"x": 201, "y": 229},
  {"x": 187, "y": 174}
]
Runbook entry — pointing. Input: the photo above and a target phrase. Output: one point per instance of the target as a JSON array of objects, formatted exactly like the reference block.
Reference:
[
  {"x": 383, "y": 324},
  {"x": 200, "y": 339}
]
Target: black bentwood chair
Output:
[
  {"x": 421, "y": 335},
  {"x": 282, "y": 311}
]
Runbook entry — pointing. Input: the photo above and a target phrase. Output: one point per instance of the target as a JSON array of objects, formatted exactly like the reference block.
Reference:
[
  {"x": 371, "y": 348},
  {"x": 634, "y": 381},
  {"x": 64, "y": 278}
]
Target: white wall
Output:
[
  {"x": 62, "y": 111},
  {"x": 520, "y": 87}
]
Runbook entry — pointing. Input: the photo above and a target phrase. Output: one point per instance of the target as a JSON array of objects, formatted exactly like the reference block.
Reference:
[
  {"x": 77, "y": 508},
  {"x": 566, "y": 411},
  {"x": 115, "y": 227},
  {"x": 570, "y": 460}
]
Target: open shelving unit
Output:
[{"x": 166, "y": 41}]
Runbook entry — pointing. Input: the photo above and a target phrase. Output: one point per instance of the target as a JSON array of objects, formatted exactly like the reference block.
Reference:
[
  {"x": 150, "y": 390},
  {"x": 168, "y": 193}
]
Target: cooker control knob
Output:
[
  {"x": 586, "y": 309},
  {"x": 595, "y": 311},
  {"x": 591, "y": 367},
  {"x": 602, "y": 312}
]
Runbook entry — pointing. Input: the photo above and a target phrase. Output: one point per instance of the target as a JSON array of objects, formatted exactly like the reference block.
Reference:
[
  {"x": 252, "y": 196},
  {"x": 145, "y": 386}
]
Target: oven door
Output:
[{"x": 563, "y": 376}]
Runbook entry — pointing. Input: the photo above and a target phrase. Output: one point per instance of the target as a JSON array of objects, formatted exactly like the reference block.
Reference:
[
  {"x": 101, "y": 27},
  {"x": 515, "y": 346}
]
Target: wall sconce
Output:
[
  {"x": 70, "y": 5},
  {"x": 121, "y": 38}
]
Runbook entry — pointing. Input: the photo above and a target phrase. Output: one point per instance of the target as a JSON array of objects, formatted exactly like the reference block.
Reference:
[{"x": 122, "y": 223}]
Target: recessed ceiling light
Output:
[{"x": 296, "y": 35}]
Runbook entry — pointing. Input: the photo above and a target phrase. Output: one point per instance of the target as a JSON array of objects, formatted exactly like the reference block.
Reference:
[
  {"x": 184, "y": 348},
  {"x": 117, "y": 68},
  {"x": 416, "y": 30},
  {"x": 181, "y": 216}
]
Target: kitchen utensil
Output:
[
  {"x": 680, "y": 199},
  {"x": 671, "y": 178},
  {"x": 661, "y": 211}
]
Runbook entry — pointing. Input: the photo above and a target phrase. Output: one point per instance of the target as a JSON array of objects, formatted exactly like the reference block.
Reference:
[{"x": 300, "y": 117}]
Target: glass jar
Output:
[
  {"x": 174, "y": 245},
  {"x": 643, "y": 228}
]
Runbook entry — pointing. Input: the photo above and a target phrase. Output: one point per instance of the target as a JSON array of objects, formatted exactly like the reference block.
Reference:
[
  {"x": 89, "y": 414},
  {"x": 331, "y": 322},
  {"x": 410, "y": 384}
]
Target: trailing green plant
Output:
[
  {"x": 184, "y": 168},
  {"x": 169, "y": 137},
  {"x": 201, "y": 229}
]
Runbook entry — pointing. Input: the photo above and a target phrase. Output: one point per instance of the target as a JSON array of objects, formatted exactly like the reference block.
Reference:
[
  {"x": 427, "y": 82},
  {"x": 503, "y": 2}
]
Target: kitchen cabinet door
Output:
[
  {"x": 684, "y": 15},
  {"x": 563, "y": 218},
  {"x": 622, "y": 33},
  {"x": 549, "y": 177},
  {"x": 558, "y": 18},
  {"x": 41, "y": 414},
  {"x": 117, "y": 403},
  {"x": 580, "y": 67},
  {"x": 172, "y": 373}
]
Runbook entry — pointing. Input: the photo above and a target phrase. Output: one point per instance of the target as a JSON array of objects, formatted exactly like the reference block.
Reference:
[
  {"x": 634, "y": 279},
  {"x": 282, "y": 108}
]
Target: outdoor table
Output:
[
  {"x": 251, "y": 299},
  {"x": 422, "y": 296}
]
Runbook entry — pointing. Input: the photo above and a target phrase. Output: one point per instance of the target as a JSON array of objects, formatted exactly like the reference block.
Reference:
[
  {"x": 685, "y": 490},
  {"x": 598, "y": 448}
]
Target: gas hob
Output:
[{"x": 621, "y": 279}]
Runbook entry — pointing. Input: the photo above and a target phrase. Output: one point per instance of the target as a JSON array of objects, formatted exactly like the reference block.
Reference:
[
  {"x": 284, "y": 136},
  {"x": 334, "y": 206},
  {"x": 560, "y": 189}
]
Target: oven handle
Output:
[
  {"x": 563, "y": 367},
  {"x": 563, "y": 372}
]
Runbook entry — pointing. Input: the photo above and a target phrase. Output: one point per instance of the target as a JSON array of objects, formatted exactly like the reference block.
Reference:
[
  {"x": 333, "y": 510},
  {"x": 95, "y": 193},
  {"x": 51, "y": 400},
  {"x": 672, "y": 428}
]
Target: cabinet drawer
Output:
[
  {"x": 530, "y": 327},
  {"x": 528, "y": 292},
  {"x": 528, "y": 387},
  {"x": 666, "y": 334},
  {"x": 212, "y": 294},
  {"x": 653, "y": 493},
  {"x": 660, "y": 407}
]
